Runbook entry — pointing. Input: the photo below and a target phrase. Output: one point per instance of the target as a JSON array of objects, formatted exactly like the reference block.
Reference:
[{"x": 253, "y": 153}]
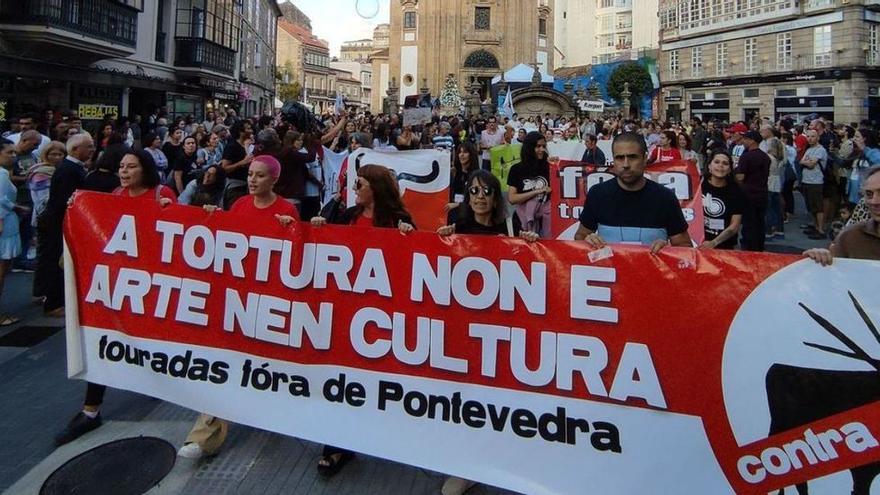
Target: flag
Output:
[{"x": 507, "y": 107}]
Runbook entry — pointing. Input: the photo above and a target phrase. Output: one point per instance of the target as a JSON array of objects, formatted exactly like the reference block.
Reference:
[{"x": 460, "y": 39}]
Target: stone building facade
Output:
[
  {"x": 730, "y": 60},
  {"x": 356, "y": 50},
  {"x": 430, "y": 39}
]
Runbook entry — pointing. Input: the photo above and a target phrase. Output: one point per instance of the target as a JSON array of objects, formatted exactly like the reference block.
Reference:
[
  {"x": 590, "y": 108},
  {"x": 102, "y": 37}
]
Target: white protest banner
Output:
[
  {"x": 332, "y": 165},
  {"x": 422, "y": 175},
  {"x": 592, "y": 106}
]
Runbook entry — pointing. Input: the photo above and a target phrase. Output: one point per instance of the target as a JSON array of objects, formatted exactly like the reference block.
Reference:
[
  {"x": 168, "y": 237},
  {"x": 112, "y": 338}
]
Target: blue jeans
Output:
[{"x": 774, "y": 213}]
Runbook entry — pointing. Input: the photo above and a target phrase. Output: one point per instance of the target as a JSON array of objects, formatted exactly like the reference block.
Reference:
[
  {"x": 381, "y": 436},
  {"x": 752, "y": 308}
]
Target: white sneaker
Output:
[
  {"x": 456, "y": 486},
  {"x": 191, "y": 451}
]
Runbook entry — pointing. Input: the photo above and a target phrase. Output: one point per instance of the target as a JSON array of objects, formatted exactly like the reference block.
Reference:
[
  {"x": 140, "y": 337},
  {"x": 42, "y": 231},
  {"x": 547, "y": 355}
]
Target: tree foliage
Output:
[
  {"x": 288, "y": 86},
  {"x": 638, "y": 78}
]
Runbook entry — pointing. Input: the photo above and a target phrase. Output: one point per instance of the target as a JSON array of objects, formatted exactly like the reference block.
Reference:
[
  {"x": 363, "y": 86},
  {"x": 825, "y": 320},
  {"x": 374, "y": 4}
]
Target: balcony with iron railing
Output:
[{"x": 99, "y": 28}]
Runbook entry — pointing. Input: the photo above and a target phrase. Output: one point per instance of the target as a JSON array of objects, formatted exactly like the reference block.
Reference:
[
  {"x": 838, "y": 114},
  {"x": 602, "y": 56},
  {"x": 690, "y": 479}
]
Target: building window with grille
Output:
[
  {"x": 409, "y": 20},
  {"x": 697, "y": 61},
  {"x": 783, "y": 51},
  {"x": 822, "y": 46},
  {"x": 751, "y": 55},
  {"x": 721, "y": 59},
  {"x": 482, "y": 18},
  {"x": 604, "y": 4},
  {"x": 673, "y": 64},
  {"x": 873, "y": 45}
]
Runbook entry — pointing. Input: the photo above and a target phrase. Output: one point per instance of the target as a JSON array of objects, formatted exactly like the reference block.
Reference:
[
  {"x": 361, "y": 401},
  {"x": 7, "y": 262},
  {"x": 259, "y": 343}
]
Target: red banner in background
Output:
[
  {"x": 571, "y": 180},
  {"x": 520, "y": 365}
]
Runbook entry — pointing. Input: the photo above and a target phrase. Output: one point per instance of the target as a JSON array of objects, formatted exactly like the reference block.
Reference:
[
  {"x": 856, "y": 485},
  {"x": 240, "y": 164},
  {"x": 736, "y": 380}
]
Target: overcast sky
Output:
[{"x": 336, "y": 21}]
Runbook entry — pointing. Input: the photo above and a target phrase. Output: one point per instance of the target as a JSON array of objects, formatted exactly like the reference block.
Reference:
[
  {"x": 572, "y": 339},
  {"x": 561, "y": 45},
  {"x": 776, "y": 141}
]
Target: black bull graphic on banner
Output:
[{"x": 798, "y": 396}]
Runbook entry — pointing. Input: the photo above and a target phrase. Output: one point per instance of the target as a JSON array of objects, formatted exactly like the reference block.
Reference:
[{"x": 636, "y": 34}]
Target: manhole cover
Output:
[{"x": 130, "y": 465}]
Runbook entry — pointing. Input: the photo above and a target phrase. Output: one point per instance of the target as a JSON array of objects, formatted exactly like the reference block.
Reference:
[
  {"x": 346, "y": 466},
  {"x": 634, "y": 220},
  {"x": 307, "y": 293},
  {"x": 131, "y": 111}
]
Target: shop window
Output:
[
  {"x": 783, "y": 93},
  {"x": 698, "y": 96}
]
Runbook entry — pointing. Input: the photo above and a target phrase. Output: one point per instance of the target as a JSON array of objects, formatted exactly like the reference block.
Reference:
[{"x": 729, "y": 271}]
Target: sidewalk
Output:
[{"x": 39, "y": 400}]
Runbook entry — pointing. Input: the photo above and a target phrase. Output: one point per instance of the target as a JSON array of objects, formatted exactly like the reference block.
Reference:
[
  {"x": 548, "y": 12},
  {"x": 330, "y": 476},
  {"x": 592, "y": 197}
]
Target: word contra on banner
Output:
[{"x": 280, "y": 321}]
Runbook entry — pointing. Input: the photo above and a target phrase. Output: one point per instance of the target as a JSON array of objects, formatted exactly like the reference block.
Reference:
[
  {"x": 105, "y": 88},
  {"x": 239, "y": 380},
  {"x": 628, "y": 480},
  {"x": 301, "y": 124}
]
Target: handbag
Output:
[{"x": 333, "y": 210}]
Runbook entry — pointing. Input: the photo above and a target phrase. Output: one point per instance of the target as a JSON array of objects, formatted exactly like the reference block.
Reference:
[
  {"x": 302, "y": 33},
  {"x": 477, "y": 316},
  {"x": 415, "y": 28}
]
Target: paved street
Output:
[{"x": 39, "y": 400}]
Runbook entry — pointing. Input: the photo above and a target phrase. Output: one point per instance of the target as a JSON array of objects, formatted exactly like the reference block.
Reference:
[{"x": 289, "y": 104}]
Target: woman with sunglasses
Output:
[
  {"x": 377, "y": 204},
  {"x": 483, "y": 212}
]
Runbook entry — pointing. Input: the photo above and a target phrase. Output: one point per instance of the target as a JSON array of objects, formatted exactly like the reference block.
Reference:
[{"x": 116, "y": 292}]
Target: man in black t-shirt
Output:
[
  {"x": 631, "y": 208},
  {"x": 752, "y": 172}
]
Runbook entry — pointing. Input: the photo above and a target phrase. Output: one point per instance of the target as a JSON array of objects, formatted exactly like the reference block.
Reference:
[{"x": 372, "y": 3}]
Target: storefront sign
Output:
[
  {"x": 220, "y": 95},
  {"x": 672, "y": 99},
  {"x": 526, "y": 366},
  {"x": 96, "y": 111},
  {"x": 832, "y": 75},
  {"x": 709, "y": 104}
]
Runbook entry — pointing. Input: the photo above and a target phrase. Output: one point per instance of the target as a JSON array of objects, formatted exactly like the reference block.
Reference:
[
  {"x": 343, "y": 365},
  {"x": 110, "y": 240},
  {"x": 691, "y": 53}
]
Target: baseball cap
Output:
[
  {"x": 738, "y": 127},
  {"x": 754, "y": 136}
]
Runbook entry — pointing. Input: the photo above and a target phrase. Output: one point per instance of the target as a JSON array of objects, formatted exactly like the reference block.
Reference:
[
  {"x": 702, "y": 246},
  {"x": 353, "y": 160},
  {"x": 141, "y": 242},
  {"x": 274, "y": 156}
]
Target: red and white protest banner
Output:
[
  {"x": 423, "y": 177},
  {"x": 520, "y": 365}
]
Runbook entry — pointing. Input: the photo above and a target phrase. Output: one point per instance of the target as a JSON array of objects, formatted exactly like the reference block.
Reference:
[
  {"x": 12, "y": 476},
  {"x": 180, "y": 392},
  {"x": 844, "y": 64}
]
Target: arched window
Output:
[{"x": 481, "y": 59}]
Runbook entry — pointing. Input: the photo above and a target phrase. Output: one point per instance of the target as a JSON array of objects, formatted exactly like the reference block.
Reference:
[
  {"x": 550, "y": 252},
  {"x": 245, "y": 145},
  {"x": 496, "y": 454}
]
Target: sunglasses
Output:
[{"x": 487, "y": 191}]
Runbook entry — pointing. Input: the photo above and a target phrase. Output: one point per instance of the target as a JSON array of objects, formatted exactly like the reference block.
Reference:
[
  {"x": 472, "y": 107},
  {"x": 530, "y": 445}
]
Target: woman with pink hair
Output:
[{"x": 209, "y": 432}]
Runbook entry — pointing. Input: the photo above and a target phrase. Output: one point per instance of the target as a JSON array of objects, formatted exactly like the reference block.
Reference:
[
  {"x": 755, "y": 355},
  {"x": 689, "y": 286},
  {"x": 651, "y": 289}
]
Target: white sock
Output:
[{"x": 91, "y": 414}]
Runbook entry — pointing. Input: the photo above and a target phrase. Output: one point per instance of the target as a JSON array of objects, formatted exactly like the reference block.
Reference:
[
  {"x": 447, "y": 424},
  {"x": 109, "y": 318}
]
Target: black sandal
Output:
[{"x": 333, "y": 467}]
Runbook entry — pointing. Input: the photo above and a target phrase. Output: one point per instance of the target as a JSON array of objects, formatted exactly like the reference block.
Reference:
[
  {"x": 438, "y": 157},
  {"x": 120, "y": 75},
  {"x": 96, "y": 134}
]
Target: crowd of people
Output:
[{"x": 270, "y": 166}]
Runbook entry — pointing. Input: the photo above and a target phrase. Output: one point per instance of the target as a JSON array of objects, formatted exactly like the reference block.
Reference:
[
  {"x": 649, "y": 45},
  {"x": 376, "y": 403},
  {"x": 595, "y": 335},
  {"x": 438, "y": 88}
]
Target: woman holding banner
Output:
[
  {"x": 209, "y": 432},
  {"x": 377, "y": 204},
  {"x": 483, "y": 212},
  {"x": 138, "y": 178},
  {"x": 723, "y": 203}
]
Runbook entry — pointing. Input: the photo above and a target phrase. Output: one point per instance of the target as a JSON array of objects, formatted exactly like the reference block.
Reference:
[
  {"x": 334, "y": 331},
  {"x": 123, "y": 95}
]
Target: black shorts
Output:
[{"x": 813, "y": 197}]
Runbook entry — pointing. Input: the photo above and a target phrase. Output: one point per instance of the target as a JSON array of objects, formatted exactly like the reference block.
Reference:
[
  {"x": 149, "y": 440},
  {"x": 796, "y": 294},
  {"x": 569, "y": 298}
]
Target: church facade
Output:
[{"x": 430, "y": 39}]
